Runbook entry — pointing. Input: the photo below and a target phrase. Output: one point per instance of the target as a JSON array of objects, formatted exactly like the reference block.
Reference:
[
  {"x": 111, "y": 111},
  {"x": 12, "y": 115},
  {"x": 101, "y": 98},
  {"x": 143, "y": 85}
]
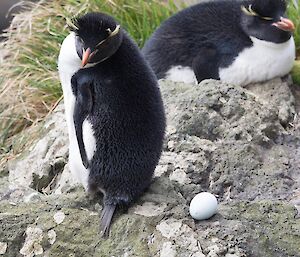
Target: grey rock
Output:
[
  {"x": 277, "y": 94},
  {"x": 42, "y": 166},
  {"x": 243, "y": 130},
  {"x": 242, "y": 144}
]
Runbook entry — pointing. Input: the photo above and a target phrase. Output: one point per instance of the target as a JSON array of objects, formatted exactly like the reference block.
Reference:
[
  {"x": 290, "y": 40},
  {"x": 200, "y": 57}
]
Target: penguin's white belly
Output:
[
  {"x": 262, "y": 61},
  {"x": 75, "y": 162},
  {"x": 68, "y": 64},
  {"x": 181, "y": 74},
  {"x": 89, "y": 139}
]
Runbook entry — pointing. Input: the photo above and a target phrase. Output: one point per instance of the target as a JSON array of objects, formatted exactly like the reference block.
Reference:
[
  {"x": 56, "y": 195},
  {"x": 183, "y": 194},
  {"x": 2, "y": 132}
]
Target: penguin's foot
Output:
[{"x": 105, "y": 220}]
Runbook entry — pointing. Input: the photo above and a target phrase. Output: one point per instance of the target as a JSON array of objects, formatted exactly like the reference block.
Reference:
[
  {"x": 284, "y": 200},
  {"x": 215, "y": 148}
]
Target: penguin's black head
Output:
[
  {"x": 98, "y": 37},
  {"x": 266, "y": 20}
]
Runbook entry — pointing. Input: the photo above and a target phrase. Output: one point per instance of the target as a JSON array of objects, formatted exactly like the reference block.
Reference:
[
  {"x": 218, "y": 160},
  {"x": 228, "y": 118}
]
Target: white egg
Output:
[{"x": 203, "y": 206}]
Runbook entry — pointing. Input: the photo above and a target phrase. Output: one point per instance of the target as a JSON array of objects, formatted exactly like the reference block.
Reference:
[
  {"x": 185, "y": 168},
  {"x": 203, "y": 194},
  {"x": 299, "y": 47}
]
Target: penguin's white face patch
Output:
[
  {"x": 181, "y": 74},
  {"x": 260, "y": 62}
]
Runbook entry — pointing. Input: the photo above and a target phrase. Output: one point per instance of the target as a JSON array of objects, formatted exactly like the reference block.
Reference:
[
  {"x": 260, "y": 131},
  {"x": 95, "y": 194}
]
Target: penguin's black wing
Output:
[
  {"x": 83, "y": 107},
  {"x": 205, "y": 64}
]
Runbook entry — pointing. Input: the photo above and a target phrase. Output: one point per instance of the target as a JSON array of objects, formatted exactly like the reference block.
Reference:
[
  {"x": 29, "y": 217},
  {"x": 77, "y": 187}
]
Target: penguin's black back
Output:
[
  {"x": 128, "y": 122},
  {"x": 208, "y": 25}
]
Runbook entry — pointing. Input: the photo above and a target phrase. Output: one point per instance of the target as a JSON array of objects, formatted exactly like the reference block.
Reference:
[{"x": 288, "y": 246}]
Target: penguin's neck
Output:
[{"x": 127, "y": 60}]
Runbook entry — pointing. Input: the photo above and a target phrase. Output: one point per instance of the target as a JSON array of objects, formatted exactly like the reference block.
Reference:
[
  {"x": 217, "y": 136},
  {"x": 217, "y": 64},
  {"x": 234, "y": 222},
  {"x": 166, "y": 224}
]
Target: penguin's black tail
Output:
[{"x": 106, "y": 217}]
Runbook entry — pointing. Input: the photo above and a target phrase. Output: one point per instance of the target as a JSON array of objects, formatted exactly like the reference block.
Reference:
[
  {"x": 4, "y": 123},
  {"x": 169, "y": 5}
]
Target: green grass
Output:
[
  {"x": 30, "y": 87},
  {"x": 296, "y": 72},
  {"x": 294, "y": 14}
]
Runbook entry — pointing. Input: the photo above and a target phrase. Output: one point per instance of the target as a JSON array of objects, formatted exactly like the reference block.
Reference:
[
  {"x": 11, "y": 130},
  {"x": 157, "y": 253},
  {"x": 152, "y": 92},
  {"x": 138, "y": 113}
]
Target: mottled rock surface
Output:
[
  {"x": 241, "y": 144},
  {"x": 43, "y": 166}
]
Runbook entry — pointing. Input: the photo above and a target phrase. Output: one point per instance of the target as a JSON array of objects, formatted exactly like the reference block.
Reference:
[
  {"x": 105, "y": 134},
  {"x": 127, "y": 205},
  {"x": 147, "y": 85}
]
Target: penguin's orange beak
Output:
[
  {"x": 85, "y": 57},
  {"x": 284, "y": 24}
]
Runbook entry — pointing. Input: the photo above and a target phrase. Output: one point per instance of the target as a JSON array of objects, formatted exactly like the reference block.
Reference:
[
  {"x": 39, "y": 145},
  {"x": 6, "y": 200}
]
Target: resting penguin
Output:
[
  {"x": 238, "y": 42},
  {"x": 114, "y": 112}
]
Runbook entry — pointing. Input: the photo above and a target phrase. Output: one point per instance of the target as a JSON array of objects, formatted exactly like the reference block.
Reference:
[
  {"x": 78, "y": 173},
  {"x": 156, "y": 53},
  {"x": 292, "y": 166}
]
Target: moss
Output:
[
  {"x": 14, "y": 222},
  {"x": 130, "y": 234},
  {"x": 270, "y": 228},
  {"x": 296, "y": 72},
  {"x": 78, "y": 234},
  {"x": 273, "y": 224}
]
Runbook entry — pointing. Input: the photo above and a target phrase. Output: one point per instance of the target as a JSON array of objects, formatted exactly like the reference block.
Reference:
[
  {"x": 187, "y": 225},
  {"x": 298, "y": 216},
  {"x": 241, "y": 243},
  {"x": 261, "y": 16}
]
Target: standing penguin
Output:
[
  {"x": 114, "y": 112},
  {"x": 238, "y": 42}
]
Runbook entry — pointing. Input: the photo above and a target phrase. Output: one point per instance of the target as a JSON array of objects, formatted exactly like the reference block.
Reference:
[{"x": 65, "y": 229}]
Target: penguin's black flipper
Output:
[
  {"x": 83, "y": 107},
  {"x": 205, "y": 64},
  {"x": 106, "y": 217}
]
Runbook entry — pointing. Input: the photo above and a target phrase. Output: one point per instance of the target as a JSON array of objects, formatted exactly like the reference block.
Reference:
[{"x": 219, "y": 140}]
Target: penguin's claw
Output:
[{"x": 105, "y": 220}]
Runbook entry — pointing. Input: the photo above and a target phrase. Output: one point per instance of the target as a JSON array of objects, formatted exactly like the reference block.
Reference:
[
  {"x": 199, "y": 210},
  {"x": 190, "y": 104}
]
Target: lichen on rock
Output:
[
  {"x": 3, "y": 248},
  {"x": 32, "y": 245},
  {"x": 241, "y": 144}
]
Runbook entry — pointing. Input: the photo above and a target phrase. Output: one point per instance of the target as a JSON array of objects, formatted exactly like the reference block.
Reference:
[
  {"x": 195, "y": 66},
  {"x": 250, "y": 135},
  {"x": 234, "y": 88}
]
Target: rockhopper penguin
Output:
[
  {"x": 238, "y": 42},
  {"x": 114, "y": 112}
]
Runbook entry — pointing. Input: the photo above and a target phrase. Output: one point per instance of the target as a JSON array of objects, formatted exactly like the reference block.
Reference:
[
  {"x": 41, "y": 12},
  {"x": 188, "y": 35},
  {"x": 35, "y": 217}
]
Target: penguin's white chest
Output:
[
  {"x": 68, "y": 64},
  {"x": 181, "y": 74},
  {"x": 263, "y": 61}
]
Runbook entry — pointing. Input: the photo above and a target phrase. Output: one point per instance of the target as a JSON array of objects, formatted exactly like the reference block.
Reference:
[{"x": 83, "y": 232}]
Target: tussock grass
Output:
[
  {"x": 29, "y": 86},
  {"x": 296, "y": 72},
  {"x": 294, "y": 14}
]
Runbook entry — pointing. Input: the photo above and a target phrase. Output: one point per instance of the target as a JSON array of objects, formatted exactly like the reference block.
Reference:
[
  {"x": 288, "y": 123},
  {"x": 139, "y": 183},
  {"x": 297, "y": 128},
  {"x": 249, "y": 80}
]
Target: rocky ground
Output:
[{"x": 241, "y": 144}]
